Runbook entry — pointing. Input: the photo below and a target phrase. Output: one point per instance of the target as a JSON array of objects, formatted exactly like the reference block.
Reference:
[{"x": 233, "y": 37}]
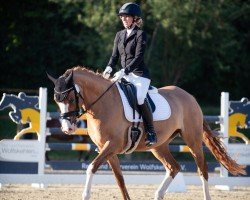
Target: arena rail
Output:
[{"x": 30, "y": 155}]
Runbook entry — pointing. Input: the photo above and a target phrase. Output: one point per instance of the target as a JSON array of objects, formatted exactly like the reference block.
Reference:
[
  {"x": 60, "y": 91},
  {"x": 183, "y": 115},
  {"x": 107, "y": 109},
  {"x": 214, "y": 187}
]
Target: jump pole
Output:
[
  {"x": 224, "y": 130},
  {"x": 42, "y": 135},
  {"x": 42, "y": 138},
  {"x": 224, "y": 126}
]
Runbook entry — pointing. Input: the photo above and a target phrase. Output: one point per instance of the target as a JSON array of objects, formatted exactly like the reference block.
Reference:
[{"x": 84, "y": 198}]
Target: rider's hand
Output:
[
  {"x": 107, "y": 72},
  {"x": 118, "y": 75}
]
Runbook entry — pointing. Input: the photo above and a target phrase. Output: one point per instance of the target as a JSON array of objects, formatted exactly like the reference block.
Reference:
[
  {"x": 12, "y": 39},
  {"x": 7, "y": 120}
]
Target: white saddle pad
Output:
[{"x": 162, "y": 111}]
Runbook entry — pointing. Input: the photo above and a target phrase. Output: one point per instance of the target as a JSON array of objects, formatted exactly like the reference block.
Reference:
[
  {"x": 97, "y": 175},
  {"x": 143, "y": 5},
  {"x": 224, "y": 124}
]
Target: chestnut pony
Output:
[{"x": 79, "y": 88}]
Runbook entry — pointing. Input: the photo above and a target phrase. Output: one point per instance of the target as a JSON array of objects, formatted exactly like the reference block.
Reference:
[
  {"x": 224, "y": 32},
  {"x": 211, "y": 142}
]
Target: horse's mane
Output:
[{"x": 83, "y": 69}]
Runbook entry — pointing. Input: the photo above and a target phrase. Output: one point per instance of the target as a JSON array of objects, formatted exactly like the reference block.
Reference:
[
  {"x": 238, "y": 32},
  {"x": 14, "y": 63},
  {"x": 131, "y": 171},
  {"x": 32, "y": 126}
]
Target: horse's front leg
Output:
[
  {"x": 106, "y": 151},
  {"x": 115, "y": 165}
]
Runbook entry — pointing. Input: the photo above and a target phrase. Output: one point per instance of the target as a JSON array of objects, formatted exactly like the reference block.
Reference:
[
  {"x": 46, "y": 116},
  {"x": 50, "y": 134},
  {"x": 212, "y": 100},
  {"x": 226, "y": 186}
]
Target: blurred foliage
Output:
[
  {"x": 8, "y": 128},
  {"x": 201, "y": 46}
]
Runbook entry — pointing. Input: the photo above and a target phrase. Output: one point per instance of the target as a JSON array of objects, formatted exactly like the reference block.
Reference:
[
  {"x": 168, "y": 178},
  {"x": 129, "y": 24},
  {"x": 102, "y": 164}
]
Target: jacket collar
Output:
[
  {"x": 133, "y": 32},
  {"x": 124, "y": 32}
]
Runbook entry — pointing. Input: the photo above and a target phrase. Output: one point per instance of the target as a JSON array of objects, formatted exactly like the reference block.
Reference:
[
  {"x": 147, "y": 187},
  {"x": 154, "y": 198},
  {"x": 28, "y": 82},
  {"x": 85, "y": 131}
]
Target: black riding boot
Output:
[{"x": 148, "y": 123}]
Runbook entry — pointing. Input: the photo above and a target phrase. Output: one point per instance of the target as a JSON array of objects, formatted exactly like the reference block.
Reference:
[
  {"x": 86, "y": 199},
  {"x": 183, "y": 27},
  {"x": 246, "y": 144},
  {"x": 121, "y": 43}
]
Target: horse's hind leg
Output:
[
  {"x": 163, "y": 154},
  {"x": 202, "y": 170},
  {"x": 115, "y": 165},
  {"x": 197, "y": 152}
]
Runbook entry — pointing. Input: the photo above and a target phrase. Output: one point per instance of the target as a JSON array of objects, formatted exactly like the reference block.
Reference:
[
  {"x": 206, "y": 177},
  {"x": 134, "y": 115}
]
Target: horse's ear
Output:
[
  {"x": 69, "y": 78},
  {"x": 51, "y": 78}
]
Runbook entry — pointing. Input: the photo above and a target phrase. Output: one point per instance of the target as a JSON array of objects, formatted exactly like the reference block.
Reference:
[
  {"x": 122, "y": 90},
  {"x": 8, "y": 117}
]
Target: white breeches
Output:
[{"x": 141, "y": 84}]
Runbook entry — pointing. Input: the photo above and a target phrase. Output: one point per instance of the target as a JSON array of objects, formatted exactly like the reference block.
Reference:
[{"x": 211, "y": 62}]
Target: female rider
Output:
[{"x": 130, "y": 45}]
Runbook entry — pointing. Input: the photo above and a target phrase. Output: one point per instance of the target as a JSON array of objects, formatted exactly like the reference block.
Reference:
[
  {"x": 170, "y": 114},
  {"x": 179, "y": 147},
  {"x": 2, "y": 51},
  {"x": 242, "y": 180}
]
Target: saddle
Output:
[
  {"x": 130, "y": 92},
  {"x": 134, "y": 132}
]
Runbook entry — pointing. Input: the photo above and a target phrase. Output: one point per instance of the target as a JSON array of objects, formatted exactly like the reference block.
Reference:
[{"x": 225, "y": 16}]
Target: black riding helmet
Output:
[{"x": 131, "y": 9}]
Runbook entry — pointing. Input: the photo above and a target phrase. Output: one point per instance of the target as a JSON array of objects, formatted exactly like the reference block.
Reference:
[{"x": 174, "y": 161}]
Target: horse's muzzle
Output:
[{"x": 67, "y": 127}]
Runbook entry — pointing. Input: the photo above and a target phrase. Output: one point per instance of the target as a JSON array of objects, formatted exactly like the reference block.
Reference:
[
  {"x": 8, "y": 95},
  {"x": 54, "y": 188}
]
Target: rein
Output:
[
  {"x": 79, "y": 111},
  {"x": 93, "y": 103}
]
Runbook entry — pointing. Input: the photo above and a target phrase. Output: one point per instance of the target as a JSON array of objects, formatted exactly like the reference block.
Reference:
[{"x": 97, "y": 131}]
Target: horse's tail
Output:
[{"x": 214, "y": 144}]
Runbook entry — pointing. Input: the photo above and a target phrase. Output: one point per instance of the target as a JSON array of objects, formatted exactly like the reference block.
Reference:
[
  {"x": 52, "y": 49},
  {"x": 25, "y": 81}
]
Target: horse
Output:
[
  {"x": 237, "y": 120},
  {"x": 79, "y": 88}
]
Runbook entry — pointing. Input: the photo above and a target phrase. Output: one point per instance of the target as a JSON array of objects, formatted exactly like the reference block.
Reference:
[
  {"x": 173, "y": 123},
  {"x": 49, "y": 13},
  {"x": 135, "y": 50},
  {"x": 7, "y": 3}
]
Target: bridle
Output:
[{"x": 79, "y": 111}]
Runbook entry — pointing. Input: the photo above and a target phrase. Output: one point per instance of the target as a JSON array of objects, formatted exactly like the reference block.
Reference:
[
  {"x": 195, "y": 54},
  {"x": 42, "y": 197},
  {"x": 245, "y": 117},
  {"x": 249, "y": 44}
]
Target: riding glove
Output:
[
  {"x": 107, "y": 72},
  {"x": 118, "y": 75}
]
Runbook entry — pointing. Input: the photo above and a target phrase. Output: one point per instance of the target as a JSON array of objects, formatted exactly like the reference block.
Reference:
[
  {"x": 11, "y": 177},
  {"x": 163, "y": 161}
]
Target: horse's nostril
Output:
[{"x": 69, "y": 131}]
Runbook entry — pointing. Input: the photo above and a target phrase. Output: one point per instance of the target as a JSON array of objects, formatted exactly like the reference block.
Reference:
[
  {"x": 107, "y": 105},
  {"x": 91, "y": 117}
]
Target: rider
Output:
[{"x": 130, "y": 45}]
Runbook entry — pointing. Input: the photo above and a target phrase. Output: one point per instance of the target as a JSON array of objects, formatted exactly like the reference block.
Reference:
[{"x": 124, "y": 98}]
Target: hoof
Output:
[
  {"x": 85, "y": 196},
  {"x": 158, "y": 198}
]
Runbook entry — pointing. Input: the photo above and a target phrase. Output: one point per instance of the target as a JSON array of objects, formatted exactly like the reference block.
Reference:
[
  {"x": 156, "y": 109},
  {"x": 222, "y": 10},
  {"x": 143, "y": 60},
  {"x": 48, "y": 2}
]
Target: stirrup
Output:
[{"x": 150, "y": 139}]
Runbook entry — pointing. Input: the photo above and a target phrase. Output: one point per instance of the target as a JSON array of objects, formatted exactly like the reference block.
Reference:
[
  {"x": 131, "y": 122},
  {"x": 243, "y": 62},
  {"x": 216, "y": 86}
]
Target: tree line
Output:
[{"x": 200, "y": 46}]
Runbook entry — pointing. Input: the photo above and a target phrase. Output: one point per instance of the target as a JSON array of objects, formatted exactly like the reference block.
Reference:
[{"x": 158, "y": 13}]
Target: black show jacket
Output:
[{"x": 131, "y": 51}]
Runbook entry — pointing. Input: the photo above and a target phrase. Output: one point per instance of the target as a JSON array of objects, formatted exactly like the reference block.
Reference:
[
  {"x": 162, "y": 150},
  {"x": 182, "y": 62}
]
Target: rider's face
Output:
[{"x": 126, "y": 20}]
